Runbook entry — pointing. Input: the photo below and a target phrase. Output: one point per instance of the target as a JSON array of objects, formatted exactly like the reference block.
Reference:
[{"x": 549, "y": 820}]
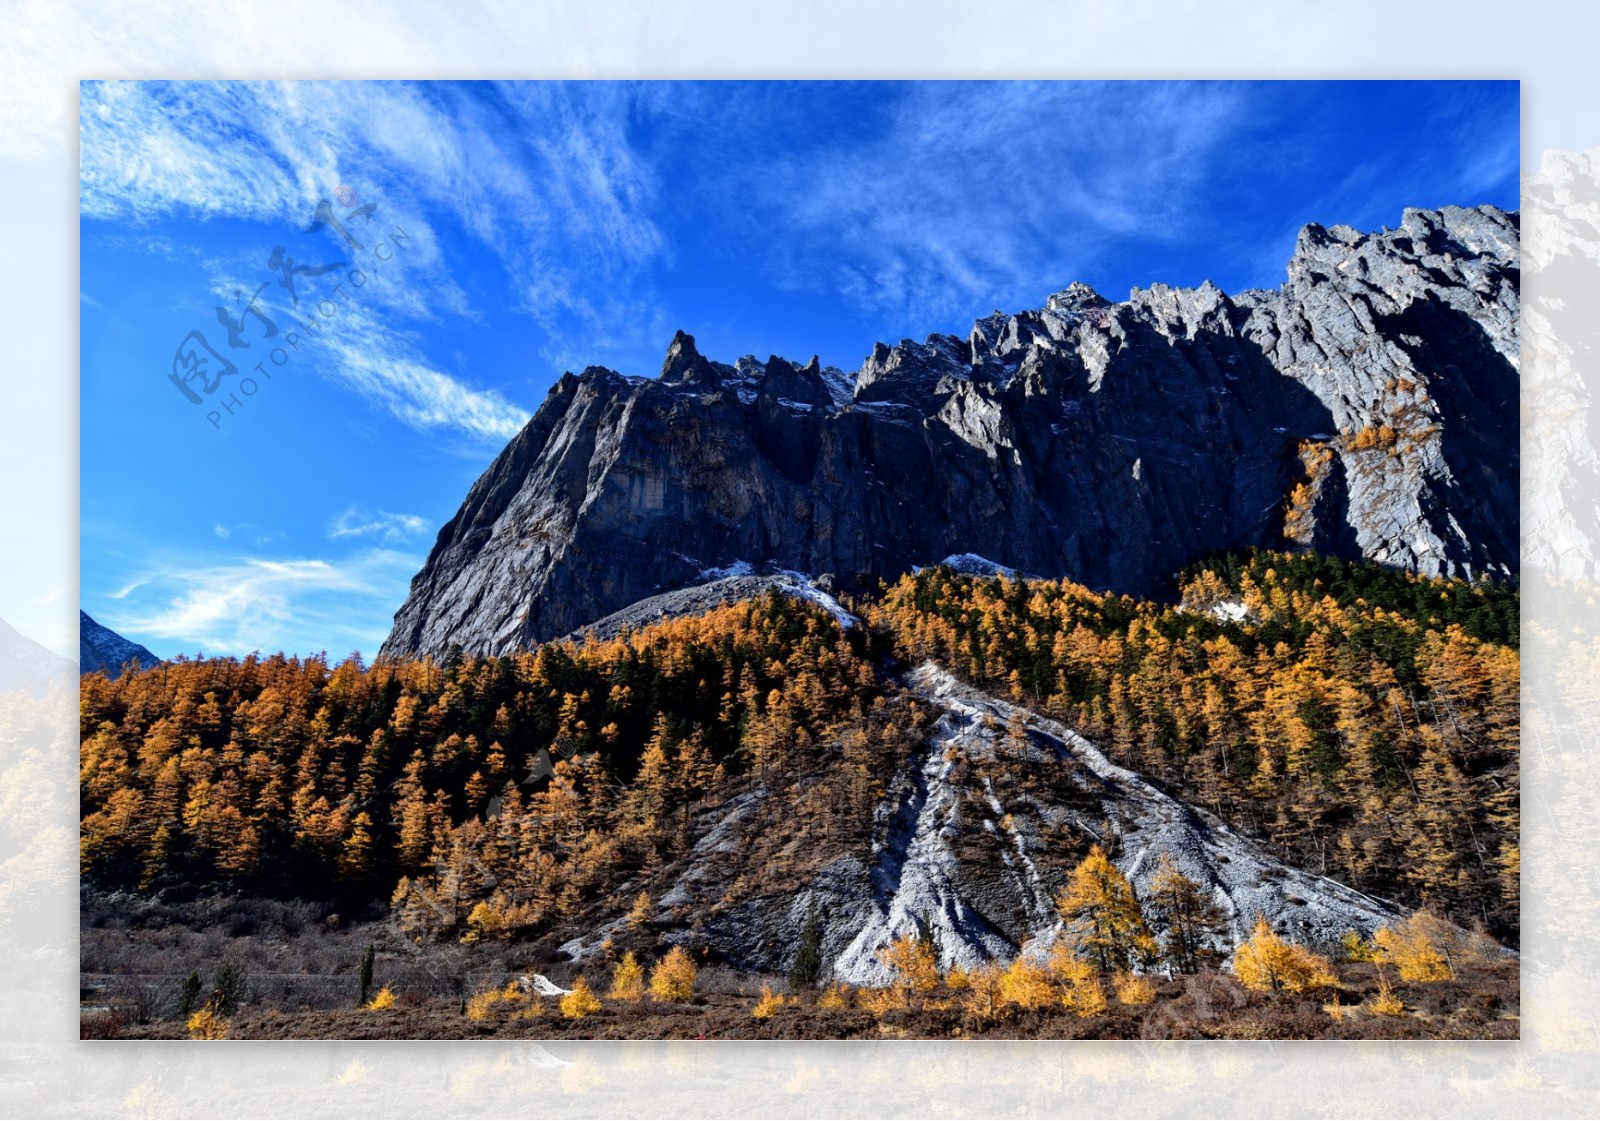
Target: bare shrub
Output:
[{"x": 103, "y": 1024}]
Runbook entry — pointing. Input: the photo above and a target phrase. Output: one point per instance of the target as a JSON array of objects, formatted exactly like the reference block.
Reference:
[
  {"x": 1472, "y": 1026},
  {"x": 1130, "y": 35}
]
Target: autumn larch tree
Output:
[
  {"x": 1267, "y": 963},
  {"x": 1104, "y": 921},
  {"x": 914, "y": 962},
  {"x": 673, "y": 977},
  {"x": 1193, "y": 919}
]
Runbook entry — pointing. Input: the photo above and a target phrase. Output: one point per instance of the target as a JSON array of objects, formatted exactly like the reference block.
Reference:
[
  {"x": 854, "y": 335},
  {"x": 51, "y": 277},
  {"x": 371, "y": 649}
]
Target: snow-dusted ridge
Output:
[
  {"x": 917, "y": 877},
  {"x": 801, "y": 586},
  {"x": 737, "y": 568},
  {"x": 101, "y": 648},
  {"x": 975, "y": 861},
  {"x": 721, "y": 585},
  {"x": 1245, "y": 881},
  {"x": 971, "y": 564}
]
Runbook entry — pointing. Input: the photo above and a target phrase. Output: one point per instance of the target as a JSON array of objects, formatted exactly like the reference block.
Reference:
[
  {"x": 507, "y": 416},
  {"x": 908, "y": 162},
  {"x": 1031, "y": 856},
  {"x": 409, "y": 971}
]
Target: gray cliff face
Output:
[{"x": 1366, "y": 408}]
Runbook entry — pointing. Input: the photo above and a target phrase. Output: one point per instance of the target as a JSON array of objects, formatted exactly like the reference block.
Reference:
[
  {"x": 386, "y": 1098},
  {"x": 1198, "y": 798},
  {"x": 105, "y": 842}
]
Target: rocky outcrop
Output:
[
  {"x": 1366, "y": 408},
  {"x": 974, "y": 862},
  {"x": 101, "y": 648},
  {"x": 735, "y": 587}
]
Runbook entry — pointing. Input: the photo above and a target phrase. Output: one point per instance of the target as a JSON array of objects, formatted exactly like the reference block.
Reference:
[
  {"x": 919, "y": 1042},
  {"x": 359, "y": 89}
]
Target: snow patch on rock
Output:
[
  {"x": 539, "y": 983},
  {"x": 1229, "y": 611},
  {"x": 737, "y": 568},
  {"x": 840, "y": 385},
  {"x": 1246, "y": 881},
  {"x": 801, "y": 586},
  {"x": 971, "y": 564}
]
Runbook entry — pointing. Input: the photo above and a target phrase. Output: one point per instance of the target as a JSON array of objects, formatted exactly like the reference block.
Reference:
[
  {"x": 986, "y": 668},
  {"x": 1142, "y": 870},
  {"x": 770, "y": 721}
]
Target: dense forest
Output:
[
  {"x": 1361, "y": 722},
  {"x": 541, "y": 774}
]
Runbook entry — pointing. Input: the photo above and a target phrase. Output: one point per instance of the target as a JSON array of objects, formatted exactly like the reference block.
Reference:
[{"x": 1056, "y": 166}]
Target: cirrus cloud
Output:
[
  {"x": 236, "y": 605},
  {"x": 356, "y": 522}
]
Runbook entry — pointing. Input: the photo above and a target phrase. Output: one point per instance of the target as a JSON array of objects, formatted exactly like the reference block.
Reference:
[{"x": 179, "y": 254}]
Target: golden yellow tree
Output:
[
  {"x": 206, "y": 1024},
  {"x": 1410, "y": 947},
  {"x": 356, "y": 859},
  {"x": 1266, "y": 963},
  {"x": 914, "y": 962},
  {"x": 673, "y": 977},
  {"x": 1102, "y": 915},
  {"x": 769, "y": 1003},
  {"x": 652, "y": 787},
  {"x": 1384, "y": 1002},
  {"x": 580, "y": 1002},
  {"x": 835, "y": 997},
  {"x": 627, "y": 979},
  {"x": 1026, "y": 985},
  {"x": 484, "y": 922},
  {"x": 981, "y": 998},
  {"x": 411, "y": 810},
  {"x": 1077, "y": 984}
]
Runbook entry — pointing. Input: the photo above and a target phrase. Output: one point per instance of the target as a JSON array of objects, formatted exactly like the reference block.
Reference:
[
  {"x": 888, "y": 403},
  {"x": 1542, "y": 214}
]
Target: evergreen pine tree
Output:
[
  {"x": 807, "y": 968},
  {"x": 366, "y": 973}
]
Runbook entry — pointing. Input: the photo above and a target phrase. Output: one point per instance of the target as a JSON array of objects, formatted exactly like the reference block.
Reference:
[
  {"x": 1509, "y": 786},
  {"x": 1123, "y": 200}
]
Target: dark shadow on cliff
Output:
[{"x": 1478, "y": 393}]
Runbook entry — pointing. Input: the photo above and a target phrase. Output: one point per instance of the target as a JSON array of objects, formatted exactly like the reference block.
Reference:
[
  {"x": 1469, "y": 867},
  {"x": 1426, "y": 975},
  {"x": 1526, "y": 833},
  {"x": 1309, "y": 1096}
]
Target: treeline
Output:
[
  {"x": 520, "y": 780},
  {"x": 1489, "y": 610},
  {"x": 1363, "y": 722}
]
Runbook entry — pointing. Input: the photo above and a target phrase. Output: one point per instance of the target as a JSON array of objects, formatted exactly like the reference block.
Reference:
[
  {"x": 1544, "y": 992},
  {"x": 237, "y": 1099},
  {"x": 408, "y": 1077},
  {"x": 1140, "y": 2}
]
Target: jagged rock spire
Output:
[{"x": 1361, "y": 409}]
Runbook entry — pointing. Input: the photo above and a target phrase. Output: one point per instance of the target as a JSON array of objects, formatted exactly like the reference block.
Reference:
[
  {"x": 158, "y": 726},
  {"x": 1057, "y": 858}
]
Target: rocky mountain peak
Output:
[
  {"x": 685, "y": 366},
  {"x": 1076, "y": 297},
  {"x": 1360, "y": 409}
]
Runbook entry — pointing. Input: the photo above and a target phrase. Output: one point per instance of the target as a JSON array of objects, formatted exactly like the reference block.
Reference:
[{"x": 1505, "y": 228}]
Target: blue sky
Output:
[{"x": 550, "y": 226}]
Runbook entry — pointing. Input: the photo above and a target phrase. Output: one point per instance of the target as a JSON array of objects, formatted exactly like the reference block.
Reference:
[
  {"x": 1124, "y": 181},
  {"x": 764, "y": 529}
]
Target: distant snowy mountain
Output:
[
  {"x": 27, "y": 666},
  {"x": 104, "y": 649}
]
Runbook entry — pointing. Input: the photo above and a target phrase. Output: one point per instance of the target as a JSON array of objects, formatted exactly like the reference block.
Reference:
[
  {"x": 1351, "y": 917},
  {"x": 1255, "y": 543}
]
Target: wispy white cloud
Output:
[
  {"x": 149, "y": 147},
  {"x": 222, "y": 531},
  {"x": 381, "y": 525},
  {"x": 128, "y": 589},
  {"x": 967, "y": 196},
  {"x": 234, "y": 605},
  {"x": 541, "y": 175},
  {"x": 359, "y": 347},
  {"x": 414, "y": 392}
]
